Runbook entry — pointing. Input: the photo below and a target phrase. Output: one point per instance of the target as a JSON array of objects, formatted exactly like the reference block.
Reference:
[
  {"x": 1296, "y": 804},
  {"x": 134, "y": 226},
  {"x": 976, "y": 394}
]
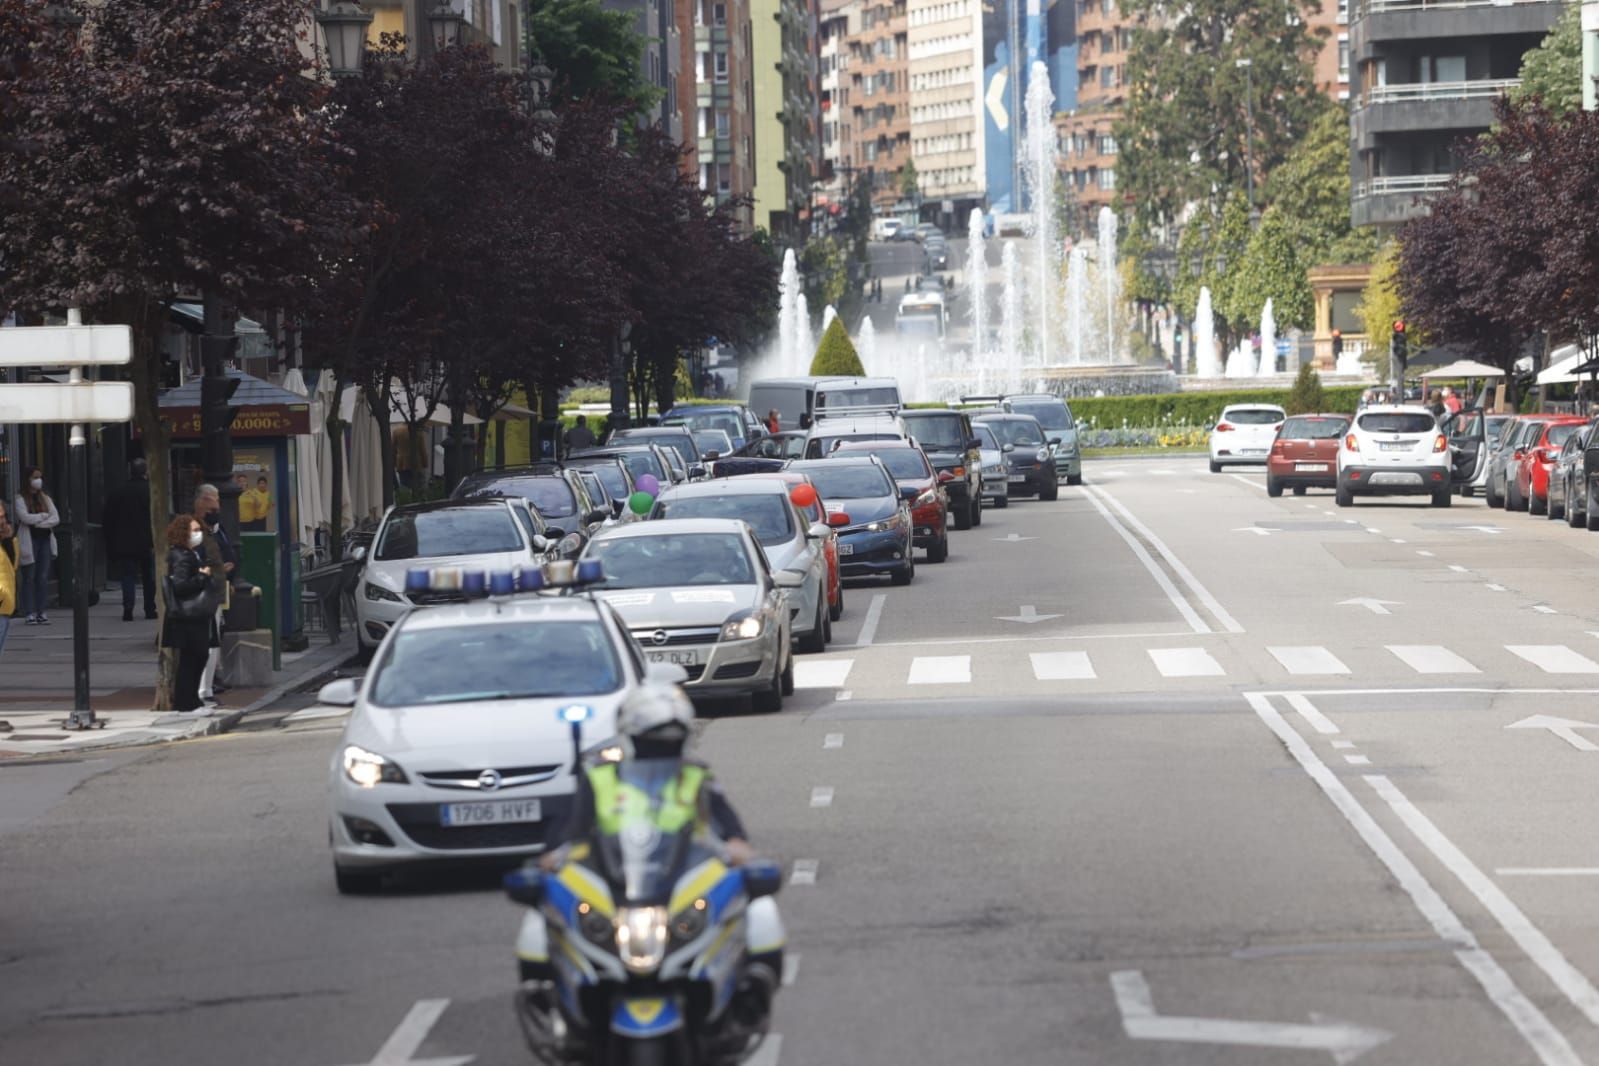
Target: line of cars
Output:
[{"x": 1546, "y": 464}]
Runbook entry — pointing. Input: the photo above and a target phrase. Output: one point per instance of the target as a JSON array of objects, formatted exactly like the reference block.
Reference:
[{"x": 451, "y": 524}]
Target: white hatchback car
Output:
[
  {"x": 1243, "y": 434},
  {"x": 1404, "y": 451},
  {"x": 456, "y": 746}
]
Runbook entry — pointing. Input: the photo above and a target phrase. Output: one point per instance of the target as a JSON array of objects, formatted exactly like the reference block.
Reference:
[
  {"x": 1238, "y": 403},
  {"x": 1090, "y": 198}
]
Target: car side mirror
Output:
[
  {"x": 594, "y": 516},
  {"x": 359, "y": 554},
  {"x": 789, "y": 579},
  {"x": 837, "y": 519},
  {"x": 696, "y": 472},
  {"x": 525, "y": 885},
  {"x": 817, "y": 531},
  {"x": 617, "y": 507},
  {"x": 553, "y": 533},
  {"x": 340, "y": 693},
  {"x": 1008, "y": 448},
  {"x": 665, "y": 674},
  {"x": 973, "y": 444},
  {"x": 1054, "y": 440},
  {"x": 541, "y": 543},
  {"x": 762, "y": 878},
  {"x": 945, "y": 477},
  {"x": 909, "y": 492}
]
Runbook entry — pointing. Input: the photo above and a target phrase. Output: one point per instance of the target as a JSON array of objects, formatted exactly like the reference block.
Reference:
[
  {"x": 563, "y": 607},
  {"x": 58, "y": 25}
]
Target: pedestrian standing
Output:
[
  {"x": 580, "y": 436},
  {"x": 188, "y": 624},
  {"x": 36, "y": 547},
  {"x": 221, "y": 559},
  {"x": 8, "y": 574},
  {"x": 1451, "y": 401},
  {"x": 774, "y": 421},
  {"x": 129, "y": 545},
  {"x": 1436, "y": 406}
]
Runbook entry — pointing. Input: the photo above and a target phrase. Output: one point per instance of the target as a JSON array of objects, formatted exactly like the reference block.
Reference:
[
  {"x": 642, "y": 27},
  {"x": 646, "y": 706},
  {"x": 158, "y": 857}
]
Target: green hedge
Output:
[{"x": 1194, "y": 408}]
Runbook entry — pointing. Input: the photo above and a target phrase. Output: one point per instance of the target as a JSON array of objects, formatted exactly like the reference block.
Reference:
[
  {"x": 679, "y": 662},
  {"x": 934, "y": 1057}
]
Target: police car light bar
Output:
[{"x": 561, "y": 575}]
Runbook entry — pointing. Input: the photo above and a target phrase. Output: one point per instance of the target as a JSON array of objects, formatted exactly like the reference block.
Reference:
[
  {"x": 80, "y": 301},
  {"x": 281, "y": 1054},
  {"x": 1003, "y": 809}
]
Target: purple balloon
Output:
[{"x": 649, "y": 483}]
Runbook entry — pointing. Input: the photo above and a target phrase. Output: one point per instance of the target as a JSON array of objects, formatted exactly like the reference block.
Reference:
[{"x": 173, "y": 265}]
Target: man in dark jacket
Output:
[{"x": 125, "y": 524}]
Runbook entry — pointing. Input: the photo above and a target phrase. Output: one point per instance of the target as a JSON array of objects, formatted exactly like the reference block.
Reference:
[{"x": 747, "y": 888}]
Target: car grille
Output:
[
  {"x": 734, "y": 671},
  {"x": 694, "y": 672},
  {"x": 420, "y": 822},
  {"x": 695, "y": 635},
  {"x": 510, "y": 776}
]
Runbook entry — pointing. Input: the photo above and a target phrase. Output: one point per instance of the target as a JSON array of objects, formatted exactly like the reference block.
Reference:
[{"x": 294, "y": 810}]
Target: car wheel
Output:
[
  {"x": 1074, "y": 479},
  {"x": 940, "y": 551},
  {"x": 835, "y": 611},
  {"x": 787, "y": 685},
  {"x": 1537, "y": 504},
  {"x": 977, "y": 511},
  {"x": 1443, "y": 498},
  {"x": 1513, "y": 500},
  {"x": 1344, "y": 497},
  {"x": 1050, "y": 491},
  {"x": 1591, "y": 511},
  {"x": 1003, "y": 501},
  {"x": 1574, "y": 518},
  {"x": 903, "y": 575},
  {"x": 357, "y": 882},
  {"x": 1274, "y": 488},
  {"x": 1490, "y": 497},
  {"x": 1553, "y": 511},
  {"x": 1299, "y": 490},
  {"x": 1215, "y": 467},
  {"x": 816, "y": 639},
  {"x": 963, "y": 516},
  {"x": 770, "y": 699}
]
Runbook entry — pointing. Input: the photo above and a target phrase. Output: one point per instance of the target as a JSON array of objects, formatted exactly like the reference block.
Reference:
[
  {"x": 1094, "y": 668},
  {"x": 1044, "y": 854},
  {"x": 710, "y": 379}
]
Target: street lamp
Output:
[
  {"x": 445, "y": 22},
  {"x": 344, "y": 29},
  {"x": 1248, "y": 67}
]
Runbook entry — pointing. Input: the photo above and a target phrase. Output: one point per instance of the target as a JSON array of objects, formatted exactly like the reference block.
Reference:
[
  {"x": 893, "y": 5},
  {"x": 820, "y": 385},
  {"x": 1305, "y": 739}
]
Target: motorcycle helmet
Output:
[{"x": 657, "y": 719}]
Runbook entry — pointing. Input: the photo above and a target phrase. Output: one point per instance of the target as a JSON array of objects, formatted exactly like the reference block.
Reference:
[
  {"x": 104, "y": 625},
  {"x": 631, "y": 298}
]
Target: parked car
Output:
[
  {"x": 1305, "y": 454},
  {"x": 1243, "y": 434},
  {"x": 874, "y": 536},
  {"x": 1404, "y": 451},
  {"x": 555, "y": 491},
  {"x": 1060, "y": 429},
  {"x": 676, "y": 438},
  {"x": 936, "y": 255},
  {"x": 1568, "y": 463},
  {"x": 952, "y": 448},
  {"x": 1503, "y": 459},
  {"x": 699, "y": 594},
  {"x": 1497, "y": 426},
  {"x": 908, "y": 466},
  {"x": 996, "y": 489},
  {"x": 1582, "y": 480},
  {"x": 1529, "y": 489},
  {"x": 1029, "y": 464}
]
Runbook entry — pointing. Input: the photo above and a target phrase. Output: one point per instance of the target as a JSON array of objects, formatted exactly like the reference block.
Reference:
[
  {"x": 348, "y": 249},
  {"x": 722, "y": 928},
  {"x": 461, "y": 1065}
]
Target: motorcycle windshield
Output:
[{"x": 641, "y": 857}]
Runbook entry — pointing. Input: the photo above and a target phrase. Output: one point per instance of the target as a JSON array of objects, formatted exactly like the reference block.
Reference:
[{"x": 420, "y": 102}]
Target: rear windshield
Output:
[
  {"x": 453, "y": 531},
  {"x": 1558, "y": 435},
  {"x": 1049, "y": 415},
  {"x": 821, "y": 447},
  {"x": 1397, "y": 422},
  {"x": 1255, "y": 416},
  {"x": 611, "y": 476},
  {"x": 1313, "y": 428},
  {"x": 768, "y": 515},
  {"x": 849, "y": 482},
  {"x": 551, "y": 495},
  {"x": 902, "y": 463},
  {"x": 677, "y": 440},
  {"x": 937, "y": 431},
  {"x": 881, "y": 396}
]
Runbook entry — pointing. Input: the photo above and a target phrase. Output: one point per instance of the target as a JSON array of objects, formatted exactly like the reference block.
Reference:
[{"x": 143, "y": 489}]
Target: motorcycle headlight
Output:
[
  {"x": 378, "y": 592},
  {"x": 641, "y": 938},
  {"x": 368, "y": 768},
  {"x": 747, "y": 628}
]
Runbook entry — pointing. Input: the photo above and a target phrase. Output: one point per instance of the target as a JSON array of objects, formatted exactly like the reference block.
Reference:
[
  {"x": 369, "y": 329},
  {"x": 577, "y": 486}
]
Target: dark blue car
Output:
[{"x": 877, "y": 538}]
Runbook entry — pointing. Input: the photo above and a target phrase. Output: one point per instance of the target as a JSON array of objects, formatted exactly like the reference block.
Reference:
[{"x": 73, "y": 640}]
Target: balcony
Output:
[
  {"x": 1413, "y": 108},
  {"x": 1484, "y": 89},
  {"x": 1389, "y": 201},
  {"x": 1377, "y": 21}
]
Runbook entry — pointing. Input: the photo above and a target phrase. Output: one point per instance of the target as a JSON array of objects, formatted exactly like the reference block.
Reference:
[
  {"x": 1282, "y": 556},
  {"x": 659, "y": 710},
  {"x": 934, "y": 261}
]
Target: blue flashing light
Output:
[
  {"x": 589, "y": 571},
  {"x": 502, "y": 583},
  {"x": 573, "y": 713},
  {"x": 418, "y": 580},
  {"x": 530, "y": 579},
  {"x": 474, "y": 583}
]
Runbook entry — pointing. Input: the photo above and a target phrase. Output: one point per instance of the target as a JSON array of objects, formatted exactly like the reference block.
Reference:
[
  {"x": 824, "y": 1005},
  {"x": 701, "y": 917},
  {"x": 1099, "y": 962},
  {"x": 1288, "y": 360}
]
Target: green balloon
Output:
[{"x": 640, "y": 502}]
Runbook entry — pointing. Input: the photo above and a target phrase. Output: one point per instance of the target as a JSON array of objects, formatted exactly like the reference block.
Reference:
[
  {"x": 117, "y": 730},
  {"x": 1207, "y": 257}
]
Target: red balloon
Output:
[{"x": 803, "y": 495}]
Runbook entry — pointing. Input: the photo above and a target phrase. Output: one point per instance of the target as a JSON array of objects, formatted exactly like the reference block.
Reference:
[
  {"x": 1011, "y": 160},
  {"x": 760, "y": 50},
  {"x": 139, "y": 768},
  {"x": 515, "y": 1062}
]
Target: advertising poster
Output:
[{"x": 257, "y": 481}]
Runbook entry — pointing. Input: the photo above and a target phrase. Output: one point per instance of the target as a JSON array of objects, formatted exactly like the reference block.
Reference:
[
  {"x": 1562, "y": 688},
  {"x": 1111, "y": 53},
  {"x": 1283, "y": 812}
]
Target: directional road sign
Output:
[
  {"x": 38, "y": 346},
  {"x": 82, "y": 401}
]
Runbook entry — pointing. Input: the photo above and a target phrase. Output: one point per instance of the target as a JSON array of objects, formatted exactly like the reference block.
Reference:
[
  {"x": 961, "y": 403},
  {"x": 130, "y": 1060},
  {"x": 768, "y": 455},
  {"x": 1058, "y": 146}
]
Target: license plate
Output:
[
  {"x": 678, "y": 658},
  {"x": 846, "y": 549},
  {"x": 1311, "y": 468},
  {"x": 1395, "y": 445},
  {"x": 1252, "y": 451},
  {"x": 1015, "y": 478},
  {"x": 497, "y": 813}
]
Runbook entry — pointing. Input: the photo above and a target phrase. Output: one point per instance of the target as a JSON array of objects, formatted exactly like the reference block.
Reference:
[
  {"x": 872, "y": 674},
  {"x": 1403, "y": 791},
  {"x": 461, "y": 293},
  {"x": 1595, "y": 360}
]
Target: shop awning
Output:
[
  {"x": 1465, "y": 368},
  {"x": 1562, "y": 369},
  {"x": 265, "y": 410}
]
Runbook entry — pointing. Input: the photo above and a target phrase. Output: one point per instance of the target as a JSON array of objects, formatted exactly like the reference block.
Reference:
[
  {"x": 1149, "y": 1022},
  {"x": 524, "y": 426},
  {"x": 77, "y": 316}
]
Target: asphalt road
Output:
[{"x": 1162, "y": 772}]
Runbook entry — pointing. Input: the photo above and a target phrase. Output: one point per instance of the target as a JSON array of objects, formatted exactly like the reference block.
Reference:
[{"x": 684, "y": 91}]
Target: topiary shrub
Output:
[
  {"x": 836, "y": 355},
  {"x": 1307, "y": 395}
]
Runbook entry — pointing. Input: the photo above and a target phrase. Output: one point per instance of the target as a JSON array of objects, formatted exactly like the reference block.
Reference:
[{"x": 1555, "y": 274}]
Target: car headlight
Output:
[
  {"x": 641, "y": 938},
  {"x": 368, "y": 768},
  {"x": 746, "y": 628},
  {"x": 925, "y": 499},
  {"x": 886, "y": 524},
  {"x": 381, "y": 594},
  {"x": 1043, "y": 455}
]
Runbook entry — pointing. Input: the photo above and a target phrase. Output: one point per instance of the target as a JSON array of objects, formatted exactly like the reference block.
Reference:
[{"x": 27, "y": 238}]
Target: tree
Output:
[
  {"x": 1306, "y": 396},
  {"x": 1311, "y": 190},
  {"x": 176, "y": 148},
  {"x": 1379, "y": 309},
  {"x": 1271, "y": 269},
  {"x": 908, "y": 188},
  {"x": 593, "y": 52},
  {"x": 1552, "y": 72},
  {"x": 1186, "y": 128},
  {"x": 836, "y": 355}
]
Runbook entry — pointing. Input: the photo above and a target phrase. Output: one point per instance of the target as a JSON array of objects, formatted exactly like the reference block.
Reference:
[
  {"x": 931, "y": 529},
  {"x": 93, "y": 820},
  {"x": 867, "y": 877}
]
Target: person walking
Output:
[
  {"x": 129, "y": 544},
  {"x": 221, "y": 559},
  {"x": 8, "y": 574},
  {"x": 36, "y": 546},
  {"x": 580, "y": 436},
  {"x": 188, "y": 624}
]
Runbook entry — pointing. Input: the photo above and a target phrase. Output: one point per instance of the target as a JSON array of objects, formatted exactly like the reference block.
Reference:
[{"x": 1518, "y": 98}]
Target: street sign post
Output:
[{"x": 74, "y": 402}]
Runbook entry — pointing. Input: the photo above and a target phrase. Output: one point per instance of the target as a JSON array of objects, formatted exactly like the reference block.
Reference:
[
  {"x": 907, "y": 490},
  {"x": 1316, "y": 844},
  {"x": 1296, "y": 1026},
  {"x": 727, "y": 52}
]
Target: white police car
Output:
[{"x": 460, "y": 741}]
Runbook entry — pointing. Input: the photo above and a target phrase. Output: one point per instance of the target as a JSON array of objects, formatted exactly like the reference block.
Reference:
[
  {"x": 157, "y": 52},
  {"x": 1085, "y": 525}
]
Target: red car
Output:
[
  {"x": 1305, "y": 454},
  {"x": 1535, "y": 460},
  {"x": 908, "y": 466},
  {"x": 817, "y": 512}
]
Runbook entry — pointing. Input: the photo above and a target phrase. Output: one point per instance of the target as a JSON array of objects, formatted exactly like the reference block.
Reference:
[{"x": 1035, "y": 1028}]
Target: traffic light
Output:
[
  {"x": 1401, "y": 341},
  {"x": 1338, "y": 343}
]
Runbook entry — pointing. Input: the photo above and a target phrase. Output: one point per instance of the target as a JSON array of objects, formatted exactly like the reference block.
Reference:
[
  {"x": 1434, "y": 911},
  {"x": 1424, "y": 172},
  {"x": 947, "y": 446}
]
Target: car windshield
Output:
[
  {"x": 1558, "y": 435},
  {"x": 942, "y": 432},
  {"x": 610, "y": 476},
  {"x": 1313, "y": 428},
  {"x": 450, "y": 531},
  {"x": 858, "y": 396},
  {"x": 766, "y": 513},
  {"x": 521, "y": 660},
  {"x": 902, "y": 463},
  {"x": 1016, "y": 431},
  {"x": 918, "y": 325},
  {"x": 1252, "y": 416},
  {"x": 849, "y": 482},
  {"x": 697, "y": 421},
  {"x": 985, "y": 437},
  {"x": 1397, "y": 422},
  {"x": 1049, "y": 415},
  {"x": 823, "y": 446},
  {"x": 550, "y": 494},
  {"x": 712, "y": 440},
  {"x": 678, "y": 559}
]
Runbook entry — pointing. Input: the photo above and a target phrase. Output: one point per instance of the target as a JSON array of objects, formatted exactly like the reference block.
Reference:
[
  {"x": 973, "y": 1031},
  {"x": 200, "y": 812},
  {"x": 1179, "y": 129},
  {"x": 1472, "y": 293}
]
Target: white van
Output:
[
  {"x": 885, "y": 229},
  {"x": 801, "y": 401}
]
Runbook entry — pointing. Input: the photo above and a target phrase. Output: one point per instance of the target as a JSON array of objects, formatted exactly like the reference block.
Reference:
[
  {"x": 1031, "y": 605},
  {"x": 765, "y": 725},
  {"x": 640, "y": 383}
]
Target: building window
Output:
[
  {"x": 1107, "y": 178},
  {"x": 1107, "y": 144},
  {"x": 1343, "y": 57},
  {"x": 724, "y": 178},
  {"x": 723, "y": 124},
  {"x": 721, "y": 68},
  {"x": 1343, "y": 12},
  {"x": 719, "y": 14}
]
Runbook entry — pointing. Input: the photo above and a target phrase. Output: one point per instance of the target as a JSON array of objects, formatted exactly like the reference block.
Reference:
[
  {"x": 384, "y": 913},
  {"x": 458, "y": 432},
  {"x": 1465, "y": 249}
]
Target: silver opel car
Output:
[{"x": 698, "y": 593}]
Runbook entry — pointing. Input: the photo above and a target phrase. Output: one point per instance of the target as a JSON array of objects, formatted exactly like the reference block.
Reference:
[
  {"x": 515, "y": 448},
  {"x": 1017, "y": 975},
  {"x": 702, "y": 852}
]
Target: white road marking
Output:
[
  {"x": 1185, "y": 662},
  {"x": 1458, "y": 568},
  {"x": 1351, "y": 521},
  {"x": 791, "y": 961},
  {"x": 1251, "y": 482},
  {"x": 1013, "y": 538},
  {"x": 1183, "y": 608},
  {"x": 1564, "y": 728},
  {"x": 1344, "y": 1040},
  {"x": 1342, "y": 745},
  {"x": 1547, "y": 1042},
  {"x": 1357, "y": 760},
  {"x": 942, "y": 642},
  {"x": 1533, "y": 943},
  {"x": 832, "y": 741},
  {"x": 1228, "y": 622},
  {"x": 821, "y": 673},
  {"x": 1027, "y": 614},
  {"x": 1062, "y": 666},
  {"x": 1309, "y": 660},
  {"x": 766, "y": 1054},
  {"x": 1543, "y": 609},
  {"x": 1554, "y": 658},
  {"x": 940, "y": 670},
  {"x": 1432, "y": 659},
  {"x": 874, "y": 613},
  {"x": 1315, "y": 719},
  {"x": 1398, "y": 540},
  {"x": 412, "y": 1031},
  {"x": 1261, "y": 531},
  {"x": 844, "y": 694},
  {"x": 1370, "y": 529},
  {"x": 1423, "y": 551},
  {"x": 1496, "y": 588},
  {"x": 804, "y": 872},
  {"x": 1375, "y": 606},
  {"x": 1548, "y": 871},
  {"x": 821, "y": 796}
]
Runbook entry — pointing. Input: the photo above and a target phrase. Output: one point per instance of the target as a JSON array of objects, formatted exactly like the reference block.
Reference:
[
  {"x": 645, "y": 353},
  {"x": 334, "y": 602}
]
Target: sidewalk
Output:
[{"x": 36, "y": 684}]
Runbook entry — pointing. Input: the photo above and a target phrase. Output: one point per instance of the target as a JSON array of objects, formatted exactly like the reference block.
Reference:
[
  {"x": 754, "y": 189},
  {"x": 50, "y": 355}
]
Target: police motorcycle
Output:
[{"x": 651, "y": 948}]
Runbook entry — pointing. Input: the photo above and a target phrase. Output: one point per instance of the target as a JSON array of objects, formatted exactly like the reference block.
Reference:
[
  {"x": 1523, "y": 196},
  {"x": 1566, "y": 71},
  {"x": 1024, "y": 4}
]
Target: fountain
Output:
[
  {"x": 1241, "y": 360},
  {"x": 977, "y": 283},
  {"x": 828, "y": 314},
  {"x": 1010, "y": 318},
  {"x": 1268, "y": 342},
  {"x": 866, "y": 345},
  {"x": 1042, "y": 177},
  {"x": 804, "y": 342},
  {"x": 788, "y": 319},
  {"x": 1205, "y": 337},
  {"x": 1110, "y": 277},
  {"x": 1350, "y": 362},
  {"x": 1076, "y": 307}
]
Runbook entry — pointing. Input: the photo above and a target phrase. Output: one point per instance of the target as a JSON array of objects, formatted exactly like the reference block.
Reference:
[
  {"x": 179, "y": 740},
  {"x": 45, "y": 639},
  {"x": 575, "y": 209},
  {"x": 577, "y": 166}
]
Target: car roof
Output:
[
  {"x": 722, "y": 487},
  {"x": 1325, "y": 414},
  {"x": 1261, "y": 407},
  {"x": 706, "y": 409},
  {"x": 645, "y": 432},
  {"x": 873, "y": 445},
  {"x": 510, "y": 609},
  {"x": 852, "y": 460},
  {"x": 547, "y": 466},
  {"x": 451, "y": 504},
  {"x": 1396, "y": 409},
  {"x": 1034, "y": 397},
  {"x": 827, "y": 379},
  {"x": 1003, "y": 416},
  {"x": 667, "y": 527},
  {"x": 932, "y": 412}
]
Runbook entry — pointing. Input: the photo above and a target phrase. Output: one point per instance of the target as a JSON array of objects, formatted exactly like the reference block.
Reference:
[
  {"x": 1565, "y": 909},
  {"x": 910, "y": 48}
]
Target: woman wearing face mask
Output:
[
  {"x": 8, "y": 574},
  {"x": 36, "y": 546},
  {"x": 189, "y": 580}
]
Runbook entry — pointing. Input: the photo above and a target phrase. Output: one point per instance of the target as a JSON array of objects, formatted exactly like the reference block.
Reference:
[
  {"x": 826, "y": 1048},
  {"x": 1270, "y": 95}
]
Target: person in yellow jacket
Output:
[{"x": 8, "y": 574}]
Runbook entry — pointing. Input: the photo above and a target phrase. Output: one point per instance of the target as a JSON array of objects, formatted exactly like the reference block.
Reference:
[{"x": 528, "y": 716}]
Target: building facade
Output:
[
  {"x": 782, "y": 47},
  {"x": 840, "y": 19},
  {"x": 716, "y": 98},
  {"x": 495, "y": 24},
  {"x": 945, "y": 39},
  {"x": 1086, "y": 133},
  {"x": 880, "y": 92},
  {"x": 1425, "y": 77}
]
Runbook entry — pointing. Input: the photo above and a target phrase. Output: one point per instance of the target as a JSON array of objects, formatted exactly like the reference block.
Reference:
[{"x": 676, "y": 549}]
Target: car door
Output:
[{"x": 1467, "y": 433}]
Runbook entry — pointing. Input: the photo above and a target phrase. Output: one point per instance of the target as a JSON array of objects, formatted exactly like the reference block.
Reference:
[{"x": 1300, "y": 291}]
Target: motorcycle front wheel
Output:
[{"x": 665, "y": 1051}]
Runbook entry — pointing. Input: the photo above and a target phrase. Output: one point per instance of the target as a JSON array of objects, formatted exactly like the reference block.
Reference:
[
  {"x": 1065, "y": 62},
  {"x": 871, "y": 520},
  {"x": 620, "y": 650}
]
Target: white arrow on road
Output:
[
  {"x": 1344, "y": 1040},
  {"x": 1028, "y": 615},
  {"x": 1264, "y": 531},
  {"x": 404, "y": 1041},
  {"x": 1564, "y": 728},
  {"x": 1373, "y": 605},
  {"x": 1013, "y": 539}
]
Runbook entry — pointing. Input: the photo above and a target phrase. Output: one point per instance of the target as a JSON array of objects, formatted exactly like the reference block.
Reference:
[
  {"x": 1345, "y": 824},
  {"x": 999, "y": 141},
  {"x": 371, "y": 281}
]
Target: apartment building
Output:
[
  {"x": 945, "y": 39},
  {"x": 880, "y": 93},
  {"x": 1086, "y": 133},
  {"x": 716, "y": 97},
  {"x": 840, "y": 19},
  {"x": 1425, "y": 77},
  {"x": 661, "y": 58},
  {"x": 495, "y": 24},
  {"x": 783, "y": 76}
]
